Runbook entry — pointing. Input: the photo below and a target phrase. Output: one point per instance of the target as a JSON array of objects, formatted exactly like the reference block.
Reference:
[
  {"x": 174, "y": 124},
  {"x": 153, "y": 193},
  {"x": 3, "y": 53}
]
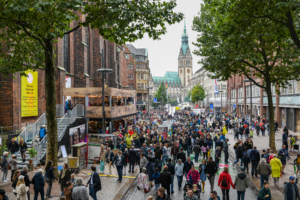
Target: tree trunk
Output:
[
  {"x": 271, "y": 116},
  {"x": 52, "y": 140}
]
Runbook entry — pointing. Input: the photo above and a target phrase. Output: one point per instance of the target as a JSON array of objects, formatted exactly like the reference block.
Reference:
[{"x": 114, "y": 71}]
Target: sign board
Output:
[
  {"x": 154, "y": 100},
  {"x": 29, "y": 94},
  {"x": 63, "y": 151},
  {"x": 234, "y": 106},
  {"x": 211, "y": 106}
]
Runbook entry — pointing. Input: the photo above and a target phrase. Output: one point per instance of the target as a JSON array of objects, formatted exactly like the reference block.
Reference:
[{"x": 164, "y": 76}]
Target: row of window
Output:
[
  {"x": 142, "y": 86},
  {"x": 142, "y": 76},
  {"x": 129, "y": 66},
  {"x": 142, "y": 58},
  {"x": 141, "y": 66},
  {"x": 130, "y": 76}
]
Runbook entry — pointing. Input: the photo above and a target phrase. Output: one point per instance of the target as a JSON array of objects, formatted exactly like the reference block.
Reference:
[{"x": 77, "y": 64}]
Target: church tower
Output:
[{"x": 185, "y": 60}]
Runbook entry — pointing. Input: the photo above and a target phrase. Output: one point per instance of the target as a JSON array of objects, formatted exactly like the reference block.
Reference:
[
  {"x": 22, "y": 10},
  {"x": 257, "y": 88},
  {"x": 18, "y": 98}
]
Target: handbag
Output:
[
  {"x": 146, "y": 190},
  {"x": 8, "y": 167}
]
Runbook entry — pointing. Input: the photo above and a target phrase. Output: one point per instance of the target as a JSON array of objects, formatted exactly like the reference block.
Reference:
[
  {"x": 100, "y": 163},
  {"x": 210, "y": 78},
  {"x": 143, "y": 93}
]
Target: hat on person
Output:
[
  {"x": 148, "y": 149},
  {"x": 291, "y": 178},
  {"x": 13, "y": 156},
  {"x": 21, "y": 177},
  {"x": 242, "y": 169}
]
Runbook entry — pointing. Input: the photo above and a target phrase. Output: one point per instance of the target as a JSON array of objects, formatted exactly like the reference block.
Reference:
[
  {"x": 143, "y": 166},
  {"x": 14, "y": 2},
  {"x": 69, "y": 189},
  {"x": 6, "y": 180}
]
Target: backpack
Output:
[
  {"x": 262, "y": 128},
  {"x": 278, "y": 156},
  {"x": 257, "y": 126},
  {"x": 224, "y": 183}
]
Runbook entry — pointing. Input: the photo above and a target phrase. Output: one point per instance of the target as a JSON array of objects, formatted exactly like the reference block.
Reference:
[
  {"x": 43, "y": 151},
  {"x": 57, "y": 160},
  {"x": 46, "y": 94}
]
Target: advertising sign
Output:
[{"x": 29, "y": 94}]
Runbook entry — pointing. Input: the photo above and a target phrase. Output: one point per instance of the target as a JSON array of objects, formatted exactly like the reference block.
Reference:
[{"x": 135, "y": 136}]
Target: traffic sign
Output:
[{"x": 154, "y": 100}]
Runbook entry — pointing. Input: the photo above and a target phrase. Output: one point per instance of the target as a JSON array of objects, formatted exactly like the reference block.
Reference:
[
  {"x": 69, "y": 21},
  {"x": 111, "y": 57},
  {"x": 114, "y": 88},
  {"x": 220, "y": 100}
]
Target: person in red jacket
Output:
[{"x": 224, "y": 183}]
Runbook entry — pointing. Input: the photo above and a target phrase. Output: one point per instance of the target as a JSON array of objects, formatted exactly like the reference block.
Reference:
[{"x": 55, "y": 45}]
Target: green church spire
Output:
[{"x": 185, "y": 40}]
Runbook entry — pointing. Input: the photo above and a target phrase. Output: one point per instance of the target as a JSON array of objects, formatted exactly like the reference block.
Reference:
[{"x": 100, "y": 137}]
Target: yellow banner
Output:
[
  {"x": 177, "y": 108},
  {"x": 29, "y": 94}
]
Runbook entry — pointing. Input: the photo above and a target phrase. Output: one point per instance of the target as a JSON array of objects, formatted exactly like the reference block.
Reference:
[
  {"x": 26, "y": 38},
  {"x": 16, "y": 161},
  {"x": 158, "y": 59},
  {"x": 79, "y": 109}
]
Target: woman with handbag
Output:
[
  {"x": 23, "y": 149},
  {"x": 49, "y": 178},
  {"x": 64, "y": 177},
  {"x": 102, "y": 159},
  {"x": 142, "y": 183}
]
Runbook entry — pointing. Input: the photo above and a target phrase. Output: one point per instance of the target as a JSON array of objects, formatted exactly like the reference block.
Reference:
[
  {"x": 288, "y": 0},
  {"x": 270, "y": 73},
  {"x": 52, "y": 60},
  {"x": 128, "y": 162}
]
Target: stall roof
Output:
[{"x": 97, "y": 92}]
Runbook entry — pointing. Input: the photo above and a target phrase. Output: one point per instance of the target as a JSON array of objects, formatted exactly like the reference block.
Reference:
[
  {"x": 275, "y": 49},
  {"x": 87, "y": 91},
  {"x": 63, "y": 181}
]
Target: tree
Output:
[
  {"x": 30, "y": 30},
  {"x": 233, "y": 43},
  {"x": 198, "y": 93},
  {"x": 173, "y": 102},
  {"x": 161, "y": 95}
]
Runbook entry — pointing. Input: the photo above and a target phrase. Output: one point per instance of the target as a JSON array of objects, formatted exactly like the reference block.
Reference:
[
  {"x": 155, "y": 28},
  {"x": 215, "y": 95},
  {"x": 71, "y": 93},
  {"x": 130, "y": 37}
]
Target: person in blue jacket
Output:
[
  {"x": 43, "y": 132},
  {"x": 39, "y": 184},
  {"x": 94, "y": 182}
]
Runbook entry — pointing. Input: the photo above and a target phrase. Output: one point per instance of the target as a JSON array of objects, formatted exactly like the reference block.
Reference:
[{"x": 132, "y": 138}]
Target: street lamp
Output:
[
  {"x": 247, "y": 80},
  {"x": 221, "y": 100},
  {"x": 149, "y": 88},
  {"x": 103, "y": 71}
]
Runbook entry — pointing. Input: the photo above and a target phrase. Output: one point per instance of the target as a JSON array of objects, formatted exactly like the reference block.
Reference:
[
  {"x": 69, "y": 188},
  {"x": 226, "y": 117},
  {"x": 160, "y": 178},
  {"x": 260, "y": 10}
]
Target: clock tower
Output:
[{"x": 185, "y": 60}]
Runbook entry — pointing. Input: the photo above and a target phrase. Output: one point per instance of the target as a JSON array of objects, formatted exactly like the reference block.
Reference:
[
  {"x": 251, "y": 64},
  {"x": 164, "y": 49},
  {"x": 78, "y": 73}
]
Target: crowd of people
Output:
[{"x": 189, "y": 152}]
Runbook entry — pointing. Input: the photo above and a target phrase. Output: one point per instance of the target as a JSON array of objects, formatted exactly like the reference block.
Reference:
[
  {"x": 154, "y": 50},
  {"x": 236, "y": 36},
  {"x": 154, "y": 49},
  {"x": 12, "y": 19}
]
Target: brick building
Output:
[{"x": 78, "y": 56}]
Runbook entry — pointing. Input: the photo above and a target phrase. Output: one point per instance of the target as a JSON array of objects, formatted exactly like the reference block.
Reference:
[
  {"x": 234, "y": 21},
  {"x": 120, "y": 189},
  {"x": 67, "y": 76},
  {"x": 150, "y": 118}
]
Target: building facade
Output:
[{"x": 142, "y": 74}]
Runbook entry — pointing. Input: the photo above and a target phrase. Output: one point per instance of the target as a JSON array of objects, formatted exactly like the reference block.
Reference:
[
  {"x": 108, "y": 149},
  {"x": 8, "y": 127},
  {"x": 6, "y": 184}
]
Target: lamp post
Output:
[
  {"x": 103, "y": 71},
  {"x": 247, "y": 80},
  {"x": 149, "y": 88},
  {"x": 221, "y": 100}
]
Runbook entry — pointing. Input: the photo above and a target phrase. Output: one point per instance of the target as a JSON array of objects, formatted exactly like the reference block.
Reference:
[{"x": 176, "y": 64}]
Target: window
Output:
[
  {"x": 142, "y": 76},
  {"x": 253, "y": 90},
  {"x": 240, "y": 93},
  {"x": 139, "y": 86},
  {"x": 248, "y": 91},
  {"x": 146, "y": 76},
  {"x": 224, "y": 87},
  {"x": 257, "y": 91},
  {"x": 142, "y": 86},
  {"x": 290, "y": 88},
  {"x": 139, "y": 76},
  {"x": 297, "y": 83},
  {"x": 233, "y": 91},
  {"x": 131, "y": 77},
  {"x": 273, "y": 90},
  {"x": 128, "y": 66}
]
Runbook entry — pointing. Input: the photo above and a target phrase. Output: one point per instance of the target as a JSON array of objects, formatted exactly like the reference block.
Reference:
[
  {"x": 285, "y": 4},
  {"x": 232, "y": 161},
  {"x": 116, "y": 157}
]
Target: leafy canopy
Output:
[
  {"x": 161, "y": 95},
  {"x": 198, "y": 93}
]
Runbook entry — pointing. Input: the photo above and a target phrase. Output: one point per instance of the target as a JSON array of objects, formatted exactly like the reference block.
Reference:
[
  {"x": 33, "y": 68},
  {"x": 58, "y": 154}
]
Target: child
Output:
[
  {"x": 251, "y": 133},
  {"x": 246, "y": 160},
  {"x": 196, "y": 191},
  {"x": 155, "y": 176},
  {"x": 292, "y": 143},
  {"x": 73, "y": 179},
  {"x": 297, "y": 162}
]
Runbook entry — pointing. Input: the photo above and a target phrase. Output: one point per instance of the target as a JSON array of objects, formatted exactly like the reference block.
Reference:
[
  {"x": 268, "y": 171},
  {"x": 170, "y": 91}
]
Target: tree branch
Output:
[
  {"x": 291, "y": 28},
  {"x": 256, "y": 68}
]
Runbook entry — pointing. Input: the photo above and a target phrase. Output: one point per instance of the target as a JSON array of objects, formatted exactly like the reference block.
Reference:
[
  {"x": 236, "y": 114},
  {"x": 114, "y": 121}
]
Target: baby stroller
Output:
[{"x": 189, "y": 184}]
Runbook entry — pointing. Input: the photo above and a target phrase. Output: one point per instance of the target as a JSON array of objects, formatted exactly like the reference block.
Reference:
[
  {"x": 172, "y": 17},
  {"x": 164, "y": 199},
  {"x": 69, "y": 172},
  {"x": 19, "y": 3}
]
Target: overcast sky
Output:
[{"x": 163, "y": 54}]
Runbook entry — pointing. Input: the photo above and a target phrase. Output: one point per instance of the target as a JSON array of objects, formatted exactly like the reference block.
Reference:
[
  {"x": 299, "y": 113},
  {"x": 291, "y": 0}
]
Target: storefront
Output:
[
  {"x": 141, "y": 106},
  {"x": 297, "y": 124}
]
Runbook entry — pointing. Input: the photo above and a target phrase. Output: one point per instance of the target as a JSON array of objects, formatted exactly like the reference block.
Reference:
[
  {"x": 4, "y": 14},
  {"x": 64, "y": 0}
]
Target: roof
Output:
[
  {"x": 185, "y": 40},
  {"x": 171, "y": 78},
  {"x": 140, "y": 52}
]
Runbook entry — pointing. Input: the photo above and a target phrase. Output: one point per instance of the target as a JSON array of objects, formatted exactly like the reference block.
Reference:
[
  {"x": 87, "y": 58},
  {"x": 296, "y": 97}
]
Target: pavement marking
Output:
[{"x": 113, "y": 176}]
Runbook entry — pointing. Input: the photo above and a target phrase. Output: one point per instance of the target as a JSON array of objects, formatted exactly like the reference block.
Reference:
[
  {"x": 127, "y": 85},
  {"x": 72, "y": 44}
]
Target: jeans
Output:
[
  {"x": 62, "y": 194},
  {"x": 36, "y": 194},
  {"x": 120, "y": 169},
  {"x": 188, "y": 151},
  {"x": 131, "y": 167},
  {"x": 262, "y": 179},
  {"x": 157, "y": 186},
  {"x": 179, "y": 179},
  {"x": 174, "y": 160},
  {"x": 241, "y": 195},
  {"x": 241, "y": 136},
  {"x": 226, "y": 156},
  {"x": 196, "y": 157},
  {"x": 50, "y": 182},
  {"x": 211, "y": 182},
  {"x": 225, "y": 193},
  {"x": 4, "y": 175},
  {"x": 246, "y": 166},
  {"x": 92, "y": 193},
  {"x": 238, "y": 160},
  {"x": 172, "y": 184},
  {"x": 268, "y": 132},
  {"x": 254, "y": 167}
]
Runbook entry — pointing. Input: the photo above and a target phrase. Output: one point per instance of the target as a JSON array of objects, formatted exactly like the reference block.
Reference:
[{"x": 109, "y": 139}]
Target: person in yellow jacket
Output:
[
  {"x": 128, "y": 141},
  {"x": 224, "y": 130},
  {"x": 276, "y": 167}
]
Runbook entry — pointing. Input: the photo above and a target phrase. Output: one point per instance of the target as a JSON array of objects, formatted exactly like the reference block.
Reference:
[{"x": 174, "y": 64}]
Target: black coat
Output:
[
  {"x": 96, "y": 181},
  {"x": 211, "y": 168},
  {"x": 171, "y": 168},
  {"x": 181, "y": 156},
  {"x": 132, "y": 156},
  {"x": 13, "y": 147},
  {"x": 26, "y": 178},
  {"x": 165, "y": 178},
  {"x": 65, "y": 179},
  {"x": 239, "y": 152}
]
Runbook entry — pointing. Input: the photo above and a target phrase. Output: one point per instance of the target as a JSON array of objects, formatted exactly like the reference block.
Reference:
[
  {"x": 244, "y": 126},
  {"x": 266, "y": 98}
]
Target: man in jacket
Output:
[
  {"x": 95, "y": 183},
  {"x": 179, "y": 172},
  {"x": 2, "y": 195},
  {"x": 197, "y": 151},
  {"x": 80, "y": 191},
  {"x": 158, "y": 153},
  {"x": 187, "y": 166},
  {"x": 42, "y": 132},
  {"x": 26, "y": 179},
  {"x": 213, "y": 196},
  {"x": 174, "y": 152},
  {"x": 13, "y": 147},
  {"x": 150, "y": 155},
  {"x": 109, "y": 158},
  {"x": 225, "y": 148},
  {"x": 119, "y": 161},
  {"x": 264, "y": 170},
  {"x": 190, "y": 195},
  {"x": 171, "y": 169},
  {"x": 132, "y": 158},
  {"x": 255, "y": 158},
  {"x": 211, "y": 169},
  {"x": 39, "y": 184},
  {"x": 241, "y": 183},
  {"x": 181, "y": 155},
  {"x": 290, "y": 190},
  {"x": 284, "y": 153},
  {"x": 165, "y": 179}
]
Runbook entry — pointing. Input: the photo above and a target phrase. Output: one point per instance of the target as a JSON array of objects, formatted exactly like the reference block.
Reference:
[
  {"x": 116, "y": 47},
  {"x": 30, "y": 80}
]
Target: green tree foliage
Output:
[
  {"x": 198, "y": 93},
  {"x": 173, "y": 102},
  {"x": 233, "y": 42},
  {"x": 30, "y": 30},
  {"x": 161, "y": 95}
]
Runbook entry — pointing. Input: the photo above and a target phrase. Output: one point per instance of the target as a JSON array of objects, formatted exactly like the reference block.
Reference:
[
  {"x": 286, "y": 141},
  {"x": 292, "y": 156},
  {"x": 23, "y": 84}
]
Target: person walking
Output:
[
  {"x": 80, "y": 191},
  {"x": 21, "y": 189},
  {"x": 39, "y": 184},
  {"x": 12, "y": 162},
  {"x": 26, "y": 180},
  {"x": 150, "y": 170},
  {"x": 132, "y": 159},
  {"x": 49, "y": 176},
  {"x": 143, "y": 162},
  {"x": 102, "y": 159},
  {"x": 290, "y": 190},
  {"x": 241, "y": 183},
  {"x": 211, "y": 170},
  {"x": 23, "y": 149},
  {"x": 109, "y": 158},
  {"x": 239, "y": 154},
  {"x": 197, "y": 151},
  {"x": 202, "y": 172},
  {"x": 35, "y": 142},
  {"x": 179, "y": 172},
  {"x": 171, "y": 169},
  {"x": 224, "y": 183},
  {"x": 283, "y": 154},
  {"x": 187, "y": 166},
  {"x": 276, "y": 167},
  {"x": 142, "y": 182},
  {"x": 162, "y": 194},
  {"x": 4, "y": 165},
  {"x": 15, "y": 181},
  {"x": 218, "y": 155},
  {"x": 64, "y": 177},
  {"x": 264, "y": 170},
  {"x": 165, "y": 179},
  {"x": 174, "y": 152},
  {"x": 265, "y": 193},
  {"x": 255, "y": 158},
  {"x": 13, "y": 147},
  {"x": 125, "y": 154},
  {"x": 156, "y": 179},
  {"x": 94, "y": 183},
  {"x": 225, "y": 149},
  {"x": 181, "y": 155},
  {"x": 2, "y": 195},
  {"x": 119, "y": 161}
]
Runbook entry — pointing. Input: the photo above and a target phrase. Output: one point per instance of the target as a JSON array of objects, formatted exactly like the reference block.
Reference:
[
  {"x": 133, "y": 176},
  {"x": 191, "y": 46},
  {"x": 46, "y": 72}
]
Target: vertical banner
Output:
[
  {"x": 216, "y": 87},
  {"x": 29, "y": 94}
]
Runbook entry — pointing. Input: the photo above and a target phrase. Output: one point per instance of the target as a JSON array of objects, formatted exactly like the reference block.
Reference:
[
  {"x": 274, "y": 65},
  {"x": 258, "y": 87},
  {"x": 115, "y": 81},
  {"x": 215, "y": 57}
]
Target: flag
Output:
[
  {"x": 216, "y": 87},
  {"x": 166, "y": 84}
]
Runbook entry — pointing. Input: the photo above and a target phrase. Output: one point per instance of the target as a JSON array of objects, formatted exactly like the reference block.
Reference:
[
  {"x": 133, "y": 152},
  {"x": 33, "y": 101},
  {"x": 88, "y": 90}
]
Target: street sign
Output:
[
  {"x": 211, "y": 106},
  {"x": 234, "y": 106},
  {"x": 154, "y": 100}
]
